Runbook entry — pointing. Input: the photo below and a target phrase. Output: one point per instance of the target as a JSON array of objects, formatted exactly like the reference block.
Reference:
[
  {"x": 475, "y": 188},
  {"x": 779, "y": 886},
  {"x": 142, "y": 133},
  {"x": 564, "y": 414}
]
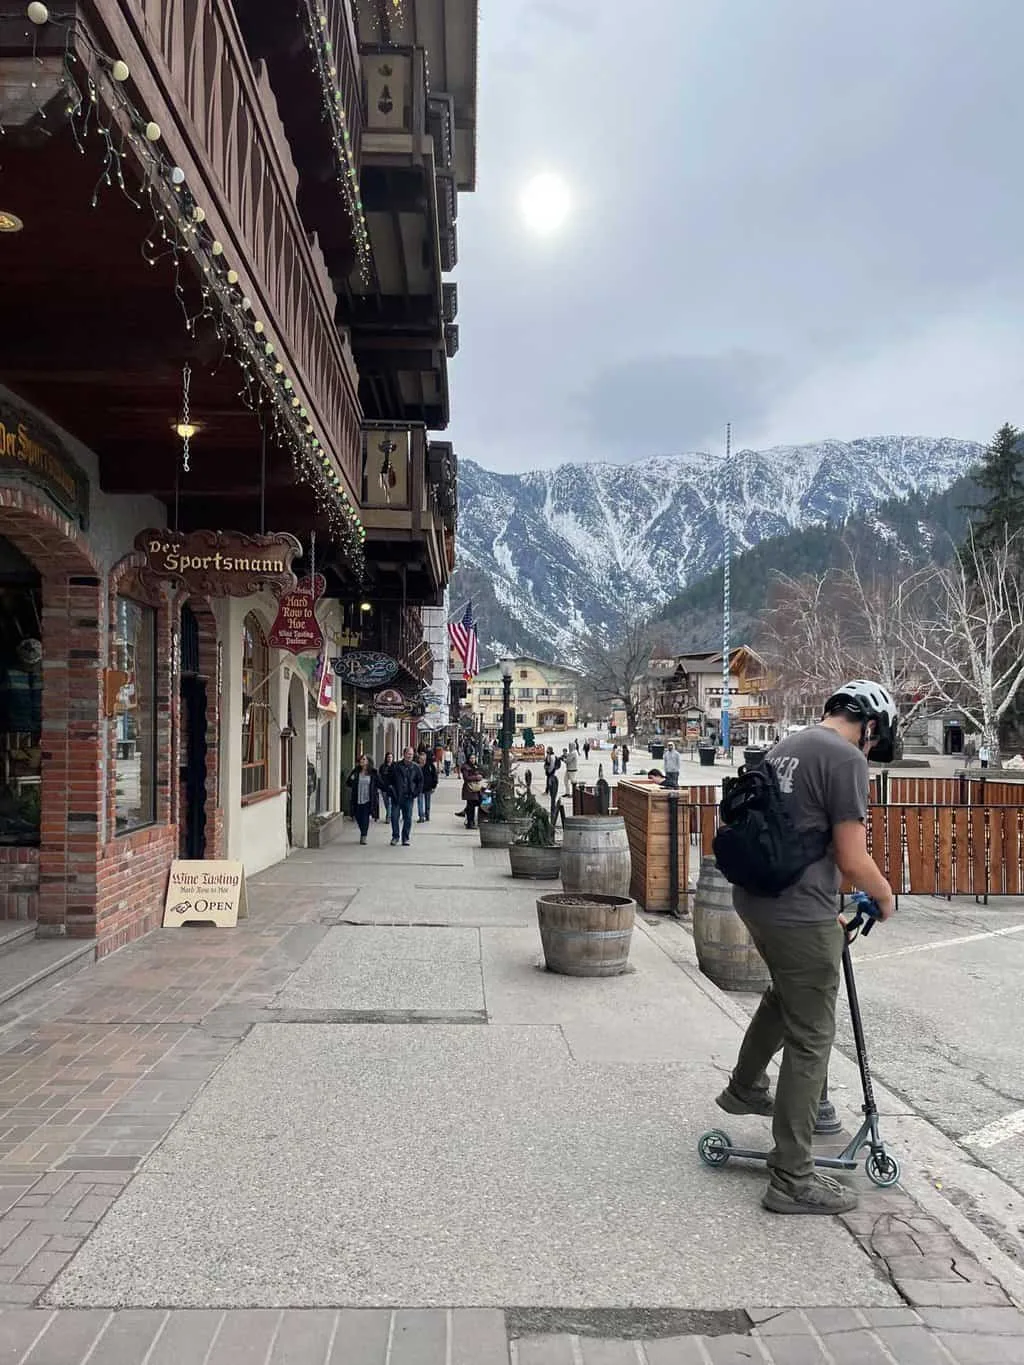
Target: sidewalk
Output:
[{"x": 365, "y": 1127}]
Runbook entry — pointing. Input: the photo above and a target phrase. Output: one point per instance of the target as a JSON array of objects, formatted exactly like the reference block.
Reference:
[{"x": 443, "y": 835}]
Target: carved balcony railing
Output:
[
  {"x": 220, "y": 123},
  {"x": 399, "y": 633}
]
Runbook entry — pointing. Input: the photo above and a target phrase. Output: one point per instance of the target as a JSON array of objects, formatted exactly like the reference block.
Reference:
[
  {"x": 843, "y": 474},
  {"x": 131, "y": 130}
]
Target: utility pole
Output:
[{"x": 727, "y": 555}]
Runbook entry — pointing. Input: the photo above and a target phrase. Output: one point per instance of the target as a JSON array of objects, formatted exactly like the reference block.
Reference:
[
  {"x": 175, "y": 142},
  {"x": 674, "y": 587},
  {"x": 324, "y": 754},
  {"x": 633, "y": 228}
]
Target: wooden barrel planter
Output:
[
  {"x": 495, "y": 834},
  {"x": 725, "y": 951},
  {"x": 533, "y": 860},
  {"x": 595, "y": 855},
  {"x": 586, "y": 934}
]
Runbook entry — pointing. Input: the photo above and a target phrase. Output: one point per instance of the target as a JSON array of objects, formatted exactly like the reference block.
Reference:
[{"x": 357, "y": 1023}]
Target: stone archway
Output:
[{"x": 73, "y": 726}]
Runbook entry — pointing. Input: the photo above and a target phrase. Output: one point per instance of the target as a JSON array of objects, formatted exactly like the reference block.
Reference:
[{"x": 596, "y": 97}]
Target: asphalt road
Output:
[{"x": 942, "y": 997}]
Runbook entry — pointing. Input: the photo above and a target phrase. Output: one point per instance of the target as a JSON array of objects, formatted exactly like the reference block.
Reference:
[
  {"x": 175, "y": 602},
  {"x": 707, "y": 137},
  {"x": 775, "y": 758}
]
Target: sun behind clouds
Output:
[{"x": 545, "y": 203}]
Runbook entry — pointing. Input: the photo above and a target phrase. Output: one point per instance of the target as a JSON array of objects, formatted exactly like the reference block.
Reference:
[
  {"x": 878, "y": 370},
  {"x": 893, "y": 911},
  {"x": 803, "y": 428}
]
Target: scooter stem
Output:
[{"x": 870, "y": 1108}]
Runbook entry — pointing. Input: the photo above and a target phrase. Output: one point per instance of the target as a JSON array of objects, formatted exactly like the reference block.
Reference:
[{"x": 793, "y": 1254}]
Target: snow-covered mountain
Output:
[{"x": 555, "y": 554}]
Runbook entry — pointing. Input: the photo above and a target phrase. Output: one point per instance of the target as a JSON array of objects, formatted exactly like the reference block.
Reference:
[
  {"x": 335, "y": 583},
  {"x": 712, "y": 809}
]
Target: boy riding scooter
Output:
[{"x": 788, "y": 839}]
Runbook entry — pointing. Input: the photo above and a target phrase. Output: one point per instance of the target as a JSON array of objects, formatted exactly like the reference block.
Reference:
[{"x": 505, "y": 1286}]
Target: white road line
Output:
[
  {"x": 942, "y": 943},
  {"x": 1010, "y": 1125}
]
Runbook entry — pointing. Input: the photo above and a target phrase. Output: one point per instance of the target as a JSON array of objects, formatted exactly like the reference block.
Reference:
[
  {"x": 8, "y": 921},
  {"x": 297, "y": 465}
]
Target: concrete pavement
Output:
[{"x": 365, "y": 1126}]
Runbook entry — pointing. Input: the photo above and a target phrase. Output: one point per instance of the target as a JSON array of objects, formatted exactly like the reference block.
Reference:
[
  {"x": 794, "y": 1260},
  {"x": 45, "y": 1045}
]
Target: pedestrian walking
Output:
[
  {"x": 586, "y": 748},
  {"x": 429, "y": 768},
  {"x": 821, "y": 785},
  {"x": 473, "y": 784},
  {"x": 625, "y": 758},
  {"x": 615, "y": 760},
  {"x": 384, "y": 782},
  {"x": 984, "y": 754},
  {"x": 364, "y": 799},
  {"x": 448, "y": 760},
  {"x": 552, "y": 763},
  {"x": 572, "y": 764},
  {"x": 672, "y": 763},
  {"x": 406, "y": 785}
]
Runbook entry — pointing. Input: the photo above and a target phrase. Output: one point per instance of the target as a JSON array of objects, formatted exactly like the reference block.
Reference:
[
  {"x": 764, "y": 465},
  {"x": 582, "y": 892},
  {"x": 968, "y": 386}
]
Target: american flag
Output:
[{"x": 462, "y": 635}]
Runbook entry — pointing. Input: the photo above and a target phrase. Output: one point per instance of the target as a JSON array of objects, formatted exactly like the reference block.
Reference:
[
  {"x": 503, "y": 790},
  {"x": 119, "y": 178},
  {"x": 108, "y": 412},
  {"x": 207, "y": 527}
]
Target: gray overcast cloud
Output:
[{"x": 801, "y": 216}]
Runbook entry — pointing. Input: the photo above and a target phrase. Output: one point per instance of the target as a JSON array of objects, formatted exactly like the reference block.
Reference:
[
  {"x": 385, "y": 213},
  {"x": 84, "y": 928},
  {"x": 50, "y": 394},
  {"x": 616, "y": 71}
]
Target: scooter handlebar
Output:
[{"x": 867, "y": 916}]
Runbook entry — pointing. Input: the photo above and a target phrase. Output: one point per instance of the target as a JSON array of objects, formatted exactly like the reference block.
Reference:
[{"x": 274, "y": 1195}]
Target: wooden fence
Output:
[
  {"x": 924, "y": 850},
  {"x": 975, "y": 790}
]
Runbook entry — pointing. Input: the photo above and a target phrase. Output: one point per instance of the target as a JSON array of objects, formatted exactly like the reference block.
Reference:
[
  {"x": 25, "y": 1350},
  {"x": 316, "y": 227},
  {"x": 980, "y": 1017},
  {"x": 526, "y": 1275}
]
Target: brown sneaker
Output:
[
  {"x": 735, "y": 1101},
  {"x": 821, "y": 1194}
]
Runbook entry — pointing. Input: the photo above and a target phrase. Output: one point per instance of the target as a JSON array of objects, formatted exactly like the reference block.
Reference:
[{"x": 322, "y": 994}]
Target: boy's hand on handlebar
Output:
[{"x": 886, "y": 907}]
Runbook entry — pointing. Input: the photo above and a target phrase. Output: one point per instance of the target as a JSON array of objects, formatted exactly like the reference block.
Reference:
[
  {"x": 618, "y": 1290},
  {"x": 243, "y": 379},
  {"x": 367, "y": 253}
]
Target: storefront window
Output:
[
  {"x": 21, "y": 707},
  {"x": 135, "y": 762},
  {"x": 255, "y": 708}
]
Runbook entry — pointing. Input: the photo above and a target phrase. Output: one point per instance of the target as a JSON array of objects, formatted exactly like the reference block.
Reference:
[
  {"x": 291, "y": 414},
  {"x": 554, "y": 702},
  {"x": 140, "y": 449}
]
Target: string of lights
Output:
[
  {"x": 97, "y": 105},
  {"x": 322, "y": 46}
]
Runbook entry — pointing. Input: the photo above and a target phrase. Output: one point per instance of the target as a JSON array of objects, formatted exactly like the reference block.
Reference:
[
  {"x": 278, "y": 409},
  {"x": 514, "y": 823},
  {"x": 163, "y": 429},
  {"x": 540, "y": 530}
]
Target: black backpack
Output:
[{"x": 757, "y": 846}]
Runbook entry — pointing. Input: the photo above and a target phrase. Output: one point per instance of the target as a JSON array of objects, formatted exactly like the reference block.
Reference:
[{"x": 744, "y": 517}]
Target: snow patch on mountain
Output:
[{"x": 554, "y": 555}]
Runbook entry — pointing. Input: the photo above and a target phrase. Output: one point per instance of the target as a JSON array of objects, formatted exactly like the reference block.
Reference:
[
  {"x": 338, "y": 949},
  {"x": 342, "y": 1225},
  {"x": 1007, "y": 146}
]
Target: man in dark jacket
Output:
[{"x": 406, "y": 786}]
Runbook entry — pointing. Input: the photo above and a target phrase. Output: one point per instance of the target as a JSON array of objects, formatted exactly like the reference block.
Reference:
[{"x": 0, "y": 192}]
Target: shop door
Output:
[
  {"x": 192, "y": 835},
  {"x": 193, "y": 771},
  {"x": 286, "y": 770}
]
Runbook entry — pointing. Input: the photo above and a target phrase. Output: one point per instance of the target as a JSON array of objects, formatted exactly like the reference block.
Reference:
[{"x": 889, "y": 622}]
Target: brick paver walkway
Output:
[
  {"x": 465, "y": 1336},
  {"x": 95, "y": 1072}
]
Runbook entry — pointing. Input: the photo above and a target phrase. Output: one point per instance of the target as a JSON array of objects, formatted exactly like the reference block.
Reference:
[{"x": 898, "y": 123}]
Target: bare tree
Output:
[
  {"x": 965, "y": 630},
  {"x": 801, "y": 638},
  {"x": 615, "y": 671},
  {"x": 822, "y": 629}
]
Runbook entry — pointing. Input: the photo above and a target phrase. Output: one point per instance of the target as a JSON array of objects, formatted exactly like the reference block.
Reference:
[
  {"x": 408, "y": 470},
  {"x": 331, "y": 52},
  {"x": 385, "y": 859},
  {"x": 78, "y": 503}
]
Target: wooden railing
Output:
[
  {"x": 220, "y": 110},
  {"x": 937, "y": 850}
]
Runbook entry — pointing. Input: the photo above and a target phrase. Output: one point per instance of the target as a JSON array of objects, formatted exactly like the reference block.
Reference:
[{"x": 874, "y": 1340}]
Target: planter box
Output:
[
  {"x": 319, "y": 836},
  {"x": 531, "y": 860}
]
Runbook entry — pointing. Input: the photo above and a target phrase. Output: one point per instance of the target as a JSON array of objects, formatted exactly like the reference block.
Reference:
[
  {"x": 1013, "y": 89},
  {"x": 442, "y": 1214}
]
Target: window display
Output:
[
  {"x": 21, "y": 713},
  {"x": 135, "y": 654},
  {"x": 255, "y": 708}
]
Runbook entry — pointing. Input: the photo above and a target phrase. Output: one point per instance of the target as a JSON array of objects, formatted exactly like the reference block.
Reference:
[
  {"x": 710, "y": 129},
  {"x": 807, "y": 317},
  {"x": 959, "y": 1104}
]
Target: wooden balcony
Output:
[
  {"x": 409, "y": 505},
  {"x": 399, "y": 633},
  {"x": 748, "y": 713},
  {"x": 314, "y": 71},
  {"x": 110, "y": 369}
]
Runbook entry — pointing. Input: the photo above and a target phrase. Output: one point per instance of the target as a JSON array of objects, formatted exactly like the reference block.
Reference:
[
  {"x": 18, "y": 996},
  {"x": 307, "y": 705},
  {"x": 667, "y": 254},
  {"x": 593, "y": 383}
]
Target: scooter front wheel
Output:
[
  {"x": 713, "y": 1147},
  {"x": 882, "y": 1169}
]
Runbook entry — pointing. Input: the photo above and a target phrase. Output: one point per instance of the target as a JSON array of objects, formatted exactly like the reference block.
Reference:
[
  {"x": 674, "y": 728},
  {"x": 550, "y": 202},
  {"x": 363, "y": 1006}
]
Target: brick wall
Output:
[
  {"x": 19, "y": 883},
  {"x": 85, "y": 880}
]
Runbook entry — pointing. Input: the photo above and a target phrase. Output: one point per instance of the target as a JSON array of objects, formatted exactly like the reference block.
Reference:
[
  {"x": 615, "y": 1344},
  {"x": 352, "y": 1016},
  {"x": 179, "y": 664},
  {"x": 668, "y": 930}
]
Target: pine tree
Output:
[{"x": 1000, "y": 477}]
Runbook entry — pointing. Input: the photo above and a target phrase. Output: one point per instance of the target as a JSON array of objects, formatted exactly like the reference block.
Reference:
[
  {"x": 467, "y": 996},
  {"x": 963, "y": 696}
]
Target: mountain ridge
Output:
[{"x": 553, "y": 556}]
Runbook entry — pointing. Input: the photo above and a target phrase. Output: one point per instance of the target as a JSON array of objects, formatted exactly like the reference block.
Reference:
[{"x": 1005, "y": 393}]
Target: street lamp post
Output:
[{"x": 506, "y": 703}]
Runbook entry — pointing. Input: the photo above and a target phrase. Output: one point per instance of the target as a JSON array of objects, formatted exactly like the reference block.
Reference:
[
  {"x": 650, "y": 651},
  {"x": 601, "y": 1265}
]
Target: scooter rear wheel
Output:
[
  {"x": 882, "y": 1169},
  {"x": 713, "y": 1147}
]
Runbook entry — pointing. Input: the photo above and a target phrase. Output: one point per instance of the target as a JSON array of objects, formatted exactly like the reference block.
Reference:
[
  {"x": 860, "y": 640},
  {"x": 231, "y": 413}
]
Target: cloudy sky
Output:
[{"x": 803, "y": 216}]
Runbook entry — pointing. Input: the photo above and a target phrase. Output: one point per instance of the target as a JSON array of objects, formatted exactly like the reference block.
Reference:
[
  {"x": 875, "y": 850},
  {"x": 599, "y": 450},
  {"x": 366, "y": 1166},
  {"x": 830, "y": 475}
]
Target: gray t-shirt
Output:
[{"x": 824, "y": 781}]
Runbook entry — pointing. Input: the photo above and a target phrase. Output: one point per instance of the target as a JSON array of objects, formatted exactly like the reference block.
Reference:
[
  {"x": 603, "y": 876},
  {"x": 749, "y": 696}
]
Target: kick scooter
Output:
[{"x": 882, "y": 1168}]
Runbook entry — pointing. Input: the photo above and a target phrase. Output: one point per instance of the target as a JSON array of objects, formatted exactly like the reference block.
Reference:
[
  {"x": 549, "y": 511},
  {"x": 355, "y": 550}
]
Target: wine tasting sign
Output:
[
  {"x": 219, "y": 563},
  {"x": 296, "y": 628}
]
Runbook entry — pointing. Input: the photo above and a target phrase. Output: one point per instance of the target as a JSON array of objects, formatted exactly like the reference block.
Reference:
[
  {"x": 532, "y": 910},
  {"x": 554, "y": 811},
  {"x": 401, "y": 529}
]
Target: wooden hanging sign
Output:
[
  {"x": 296, "y": 628},
  {"x": 207, "y": 892},
  {"x": 219, "y": 563}
]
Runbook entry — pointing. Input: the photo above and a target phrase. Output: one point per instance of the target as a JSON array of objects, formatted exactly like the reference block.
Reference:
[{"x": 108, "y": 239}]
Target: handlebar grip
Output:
[{"x": 868, "y": 911}]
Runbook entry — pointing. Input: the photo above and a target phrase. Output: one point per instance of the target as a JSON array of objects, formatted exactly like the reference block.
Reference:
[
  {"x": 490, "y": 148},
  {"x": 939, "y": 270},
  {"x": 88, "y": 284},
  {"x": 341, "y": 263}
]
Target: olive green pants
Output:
[{"x": 797, "y": 1013}]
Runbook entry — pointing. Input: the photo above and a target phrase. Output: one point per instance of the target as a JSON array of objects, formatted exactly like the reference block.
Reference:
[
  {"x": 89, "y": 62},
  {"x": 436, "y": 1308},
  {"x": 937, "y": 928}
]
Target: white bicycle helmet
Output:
[{"x": 868, "y": 701}]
